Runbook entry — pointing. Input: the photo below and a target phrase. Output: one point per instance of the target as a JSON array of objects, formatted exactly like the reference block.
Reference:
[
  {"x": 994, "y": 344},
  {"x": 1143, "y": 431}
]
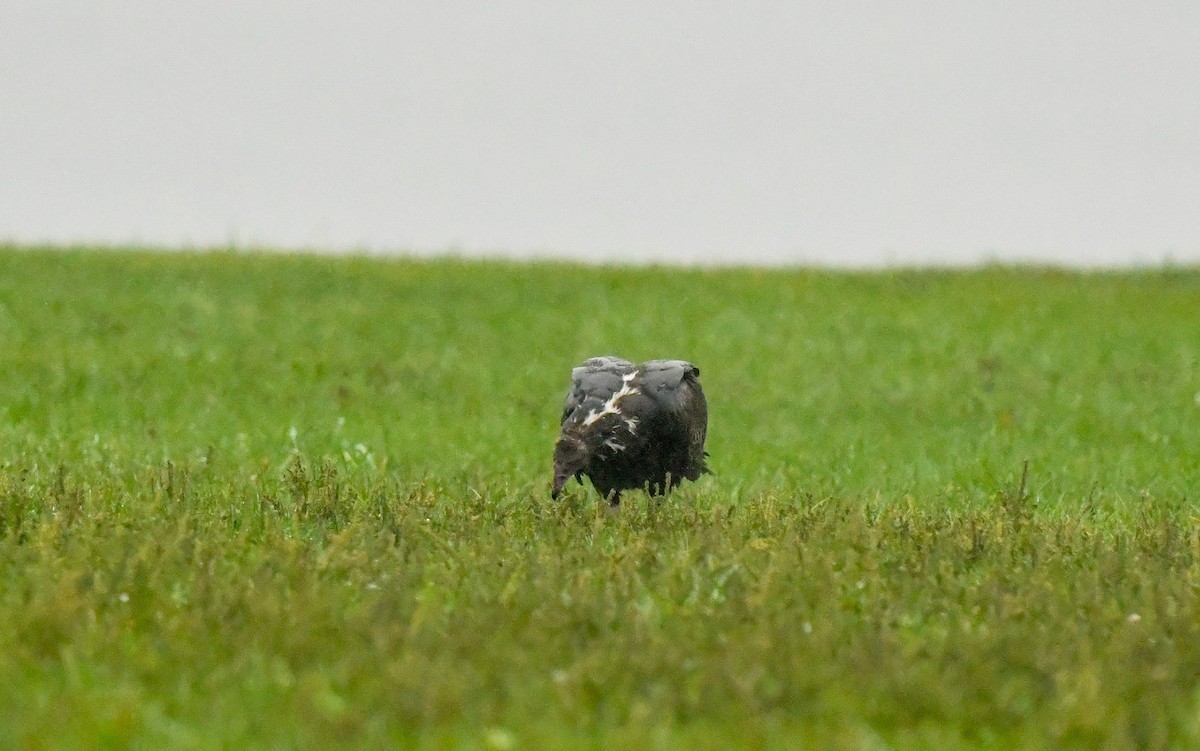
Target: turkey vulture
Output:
[{"x": 630, "y": 426}]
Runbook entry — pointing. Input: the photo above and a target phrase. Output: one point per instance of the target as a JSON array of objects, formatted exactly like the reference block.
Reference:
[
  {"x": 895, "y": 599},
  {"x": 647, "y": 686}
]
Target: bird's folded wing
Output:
[{"x": 596, "y": 379}]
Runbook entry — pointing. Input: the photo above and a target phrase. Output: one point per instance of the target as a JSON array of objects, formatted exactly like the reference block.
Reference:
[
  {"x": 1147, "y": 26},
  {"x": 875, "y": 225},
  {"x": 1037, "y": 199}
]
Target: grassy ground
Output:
[{"x": 282, "y": 502}]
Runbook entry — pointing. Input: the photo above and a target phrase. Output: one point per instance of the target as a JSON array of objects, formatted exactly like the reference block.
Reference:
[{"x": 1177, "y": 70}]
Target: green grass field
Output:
[{"x": 253, "y": 501}]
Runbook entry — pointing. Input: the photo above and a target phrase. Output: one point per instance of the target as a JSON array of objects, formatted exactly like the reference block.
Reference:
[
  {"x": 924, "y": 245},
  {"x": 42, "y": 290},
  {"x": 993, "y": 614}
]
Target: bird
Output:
[{"x": 631, "y": 427}]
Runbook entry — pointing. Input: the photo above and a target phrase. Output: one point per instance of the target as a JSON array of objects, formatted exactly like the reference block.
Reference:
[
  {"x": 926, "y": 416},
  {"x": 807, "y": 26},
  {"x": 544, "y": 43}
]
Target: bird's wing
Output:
[
  {"x": 674, "y": 385},
  {"x": 594, "y": 382}
]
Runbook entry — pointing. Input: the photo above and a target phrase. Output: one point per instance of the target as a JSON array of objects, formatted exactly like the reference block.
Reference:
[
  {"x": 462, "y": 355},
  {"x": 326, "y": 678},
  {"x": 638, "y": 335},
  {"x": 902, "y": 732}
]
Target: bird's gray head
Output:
[{"x": 572, "y": 454}]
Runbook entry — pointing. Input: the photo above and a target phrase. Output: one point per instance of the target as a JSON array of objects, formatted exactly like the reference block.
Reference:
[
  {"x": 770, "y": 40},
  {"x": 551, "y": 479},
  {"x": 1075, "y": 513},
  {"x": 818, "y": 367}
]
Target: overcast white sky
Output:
[{"x": 832, "y": 132}]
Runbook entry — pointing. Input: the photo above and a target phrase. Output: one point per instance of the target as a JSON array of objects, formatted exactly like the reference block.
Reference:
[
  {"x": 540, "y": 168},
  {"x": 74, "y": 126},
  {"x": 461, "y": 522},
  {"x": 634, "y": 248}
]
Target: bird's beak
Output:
[{"x": 559, "y": 482}]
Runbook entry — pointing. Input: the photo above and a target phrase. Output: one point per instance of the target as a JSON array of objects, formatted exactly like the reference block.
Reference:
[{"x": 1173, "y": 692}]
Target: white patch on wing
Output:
[{"x": 610, "y": 407}]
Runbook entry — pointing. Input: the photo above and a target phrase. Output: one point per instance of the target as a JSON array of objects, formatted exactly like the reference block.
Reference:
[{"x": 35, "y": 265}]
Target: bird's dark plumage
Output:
[{"x": 629, "y": 426}]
